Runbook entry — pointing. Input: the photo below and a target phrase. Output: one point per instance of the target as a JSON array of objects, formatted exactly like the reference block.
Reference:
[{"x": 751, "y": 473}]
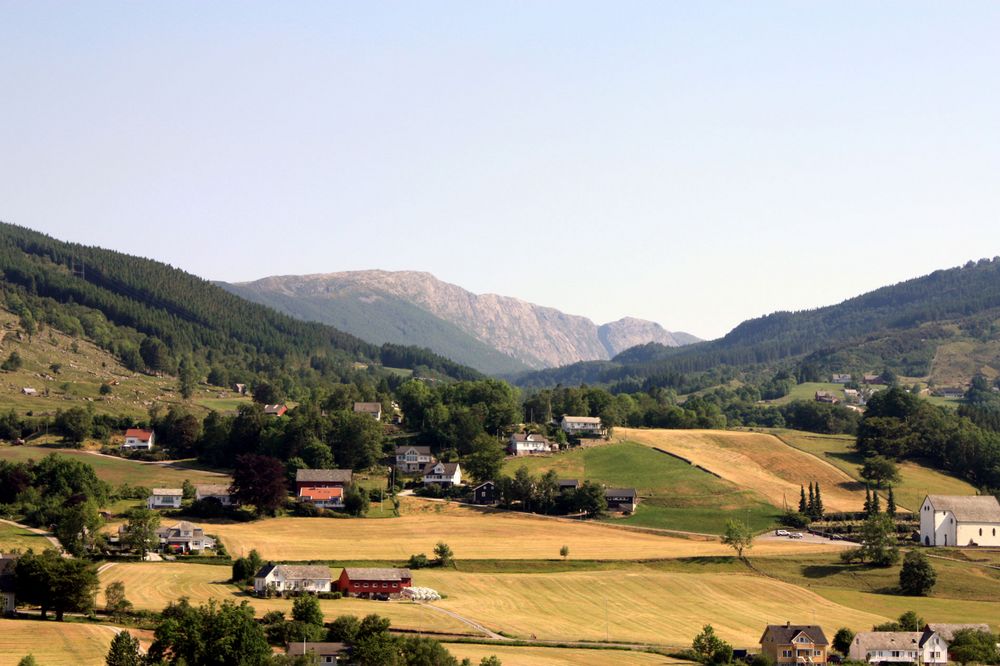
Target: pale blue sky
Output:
[{"x": 692, "y": 163}]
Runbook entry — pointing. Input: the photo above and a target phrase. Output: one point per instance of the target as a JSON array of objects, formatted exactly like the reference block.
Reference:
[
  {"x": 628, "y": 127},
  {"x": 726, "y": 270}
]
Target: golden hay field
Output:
[
  {"x": 648, "y": 606},
  {"x": 472, "y": 534},
  {"x": 756, "y": 461},
  {"x": 153, "y": 585},
  {"x": 547, "y": 656},
  {"x": 54, "y": 642}
]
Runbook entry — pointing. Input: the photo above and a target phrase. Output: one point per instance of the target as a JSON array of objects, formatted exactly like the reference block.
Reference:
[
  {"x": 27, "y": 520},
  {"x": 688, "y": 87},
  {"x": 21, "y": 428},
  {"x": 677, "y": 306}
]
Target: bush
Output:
[
  {"x": 795, "y": 519},
  {"x": 329, "y": 595},
  {"x": 418, "y": 561},
  {"x": 917, "y": 577}
]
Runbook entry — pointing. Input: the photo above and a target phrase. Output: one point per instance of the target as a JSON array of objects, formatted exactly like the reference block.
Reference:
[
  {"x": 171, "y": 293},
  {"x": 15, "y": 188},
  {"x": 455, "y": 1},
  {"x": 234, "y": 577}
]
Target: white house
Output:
[
  {"x": 216, "y": 491},
  {"x": 901, "y": 647},
  {"x": 582, "y": 425},
  {"x": 522, "y": 444},
  {"x": 7, "y": 581},
  {"x": 372, "y": 408},
  {"x": 960, "y": 520},
  {"x": 138, "y": 438},
  {"x": 413, "y": 458},
  {"x": 444, "y": 474},
  {"x": 281, "y": 578},
  {"x": 165, "y": 498}
]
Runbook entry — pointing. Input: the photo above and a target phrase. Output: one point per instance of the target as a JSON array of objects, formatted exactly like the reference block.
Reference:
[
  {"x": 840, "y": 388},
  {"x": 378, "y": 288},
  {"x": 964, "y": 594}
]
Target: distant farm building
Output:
[
  {"x": 139, "y": 439},
  {"x": 165, "y": 498},
  {"x": 826, "y": 396},
  {"x": 485, "y": 493},
  {"x": 364, "y": 582},
  {"x": 582, "y": 426},
  {"x": 521, "y": 444},
  {"x": 839, "y": 378},
  {"x": 374, "y": 409},
  {"x": 794, "y": 644},
  {"x": 899, "y": 647},
  {"x": 443, "y": 474},
  {"x": 275, "y": 410},
  {"x": 413, "y": 458},
  {"x": 621, "y": 499},
  {"x": 285, "y": 578},
  {"x": 960, "y": 520},
  {"x": 7, "y": 584},
  {"x": 214, "y": 491}
]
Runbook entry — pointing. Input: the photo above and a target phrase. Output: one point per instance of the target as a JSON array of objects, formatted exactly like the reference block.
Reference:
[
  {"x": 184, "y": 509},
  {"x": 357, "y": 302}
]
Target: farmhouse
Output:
[
  {"x": 960, "y": 520},
  {"x": 138, "y": 438},
  {"x": 621, "y": 499},
  {"x": 184, "y": 537},
  {"x": 485, "y": 493},
  {"x": 950, "y": 392},
  {"x": 214, "y": 491},
  {"x": 413, "y": 458},
  {"x": 826, "y": 396},
  {"x": 568, "y": 484},
  {"x": 443, "y": 474},
  {"x": 322, "y": 478},
  {"x": 899, "y": 647},
  {"x": 275, "y": 410},
  {"x": 322, "y": 496},
  {"x": 840, "y": 378},
  {"x": 165, "y": 498},
  {"x": 323, "y": 653},
  {"x": 874, "y": 379},
  {"x": 522, "y": 444},
  {"x": 372, "y": 408},
  {"x": 581, "y": 425},
  {"x": 361, "y": 582},
  {"x": 282, "y": 578},
  {"x": 7, "y": 581},
  {"x": 794, "y": 644}
]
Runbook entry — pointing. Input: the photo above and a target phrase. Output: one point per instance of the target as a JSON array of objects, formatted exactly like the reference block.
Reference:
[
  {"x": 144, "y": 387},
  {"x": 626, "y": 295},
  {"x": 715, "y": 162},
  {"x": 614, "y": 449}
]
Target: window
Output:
[
  {"x": 364, "y": 585},
  {"x": 817, "y": 653},
  {"x": 786, "y": 653},
  {"x": 385, "y": 584}
]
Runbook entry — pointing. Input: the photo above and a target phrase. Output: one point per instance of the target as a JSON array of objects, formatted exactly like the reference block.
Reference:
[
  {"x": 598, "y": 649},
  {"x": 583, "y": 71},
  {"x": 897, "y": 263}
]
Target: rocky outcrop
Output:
[{"x": 535, "y": 335}]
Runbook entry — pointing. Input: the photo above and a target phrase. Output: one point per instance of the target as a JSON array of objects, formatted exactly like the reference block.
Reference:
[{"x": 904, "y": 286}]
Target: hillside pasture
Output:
[
  {"x": 153, "y": 585},
  {"x": 551, "y": 656},
  {"x": 674, "y": 495},
  {"x": 634, "y": 605},
  {"x": 758, "y": 462},
  {"x": 916, "y": 481},
  {"x": 807, "y": 391},
  {"x": 472, "y": 534},
  {"x": 120, "y": 470},
  {"x": 54, "y": 642},
  {"x": 13, "y": 537}
]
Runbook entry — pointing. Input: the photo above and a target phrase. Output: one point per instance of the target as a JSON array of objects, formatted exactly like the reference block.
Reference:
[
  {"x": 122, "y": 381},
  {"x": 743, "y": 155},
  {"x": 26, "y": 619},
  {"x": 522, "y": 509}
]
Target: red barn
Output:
[{"x": 362, "y": 582}]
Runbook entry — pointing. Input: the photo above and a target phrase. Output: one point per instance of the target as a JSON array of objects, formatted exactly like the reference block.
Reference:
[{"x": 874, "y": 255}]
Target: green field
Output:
[
  {"x": 18, "y": 538},
  {"x": 917, "y": 481},
  {"x": 119, "y": 470},
  {"x": 674, "y": 495},
  {"x": 807, "y": 391}
]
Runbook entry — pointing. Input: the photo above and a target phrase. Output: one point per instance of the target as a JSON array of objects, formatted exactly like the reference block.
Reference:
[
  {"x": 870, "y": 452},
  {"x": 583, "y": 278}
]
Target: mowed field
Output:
[
  {"x": 472, "y": 534},
  {"x": 756, "y": 461},
  {"x": 118, "y": 470},
  {"x": 645, "y": 606},
  {"x": 544, "y": 656},
  {"x": 674, "y": 495},
  {"x": 18, "y": 538},
  {"x": 54, "y": 643},
  {"x": 153, "y": 585},
  {"x": 916, "y": 481}
]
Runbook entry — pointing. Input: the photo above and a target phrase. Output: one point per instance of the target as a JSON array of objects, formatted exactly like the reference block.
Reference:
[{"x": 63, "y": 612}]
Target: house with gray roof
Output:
[
  {"x": 899, "y": 647},
  {"x": 7, "y": 583},
  {"x": 960, "y": 520},
  {"x": 284, "y": 578}
]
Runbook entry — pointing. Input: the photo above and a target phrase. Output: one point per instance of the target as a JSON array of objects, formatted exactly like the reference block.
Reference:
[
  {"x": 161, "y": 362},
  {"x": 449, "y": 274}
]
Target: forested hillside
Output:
[
  {"x": 157, "y": 318},
  {"x": 900, "y": 327}
]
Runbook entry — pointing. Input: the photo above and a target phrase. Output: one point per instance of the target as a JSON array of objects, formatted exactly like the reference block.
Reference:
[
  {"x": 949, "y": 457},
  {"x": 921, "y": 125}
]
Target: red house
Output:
[
  {"x": 322, "y": 478},
  {"x": 363, "y": 582}
]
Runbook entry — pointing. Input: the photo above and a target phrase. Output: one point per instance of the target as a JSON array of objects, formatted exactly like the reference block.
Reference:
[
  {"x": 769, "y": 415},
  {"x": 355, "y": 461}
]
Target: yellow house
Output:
[{"x": 794, "y": 644}]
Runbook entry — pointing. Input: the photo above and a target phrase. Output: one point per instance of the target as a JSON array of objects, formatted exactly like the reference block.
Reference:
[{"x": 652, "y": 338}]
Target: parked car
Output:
[
  {"x": 795, "y": 535},
  {"x": 780, "y": 532}
]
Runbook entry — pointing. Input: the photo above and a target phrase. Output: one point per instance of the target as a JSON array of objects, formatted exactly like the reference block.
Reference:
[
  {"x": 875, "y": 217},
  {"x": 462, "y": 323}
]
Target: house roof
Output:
[
  {"x": 948, "y": 631},
  {"x": 529, "y": 437},
  {"x": 569, "y": 483},
  {"x": 178, "y": 528},
  {"x": 275, "y": 409},
  {"x": 619, "y": 492},
  {"x": 449, "y": 468},
  {"x": 492, "y": 483},
  {"x": 293, "y": 571},
  {"x": 368, "y": 407},
  {"x": 320, "y": 649},
  {"x": 969, "y": 508},
  {"x": 320, "y": 493},
  {"x": 595, "y": 420},
  {"x": 784, "y": 633},
  {"x": 139, "y": 433},
  {"x": 423, "y": 450},
  {"x": 212, "y": 489},
  {"x": 168, "y": 492},
  {"x": 377, "y": 573},
  {"x": 323, "y": 475},
  {"x": 868, "y": 641}
]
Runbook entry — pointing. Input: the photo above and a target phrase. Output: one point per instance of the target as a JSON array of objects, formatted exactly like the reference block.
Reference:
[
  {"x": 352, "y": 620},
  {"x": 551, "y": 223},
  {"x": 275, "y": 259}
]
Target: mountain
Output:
[
  {"x": 495, "y": 334},
  {"x": 155, "y": 317},
  {"x": 944, "y": 326}
]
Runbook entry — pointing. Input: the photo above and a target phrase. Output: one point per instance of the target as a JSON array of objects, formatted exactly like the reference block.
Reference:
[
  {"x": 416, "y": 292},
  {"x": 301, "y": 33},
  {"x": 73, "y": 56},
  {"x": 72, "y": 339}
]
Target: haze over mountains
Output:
[{"x": 492, "y": 333}]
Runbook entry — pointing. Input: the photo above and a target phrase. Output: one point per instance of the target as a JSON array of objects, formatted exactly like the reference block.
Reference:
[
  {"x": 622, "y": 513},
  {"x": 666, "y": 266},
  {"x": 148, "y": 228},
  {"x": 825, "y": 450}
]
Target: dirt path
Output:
[
  {"x": 34, "y": 530},
  {"x": 472, "y": 623}
]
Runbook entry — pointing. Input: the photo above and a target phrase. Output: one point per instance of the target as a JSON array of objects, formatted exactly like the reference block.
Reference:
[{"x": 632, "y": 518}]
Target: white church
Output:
[{"x": 960, "y": 520}]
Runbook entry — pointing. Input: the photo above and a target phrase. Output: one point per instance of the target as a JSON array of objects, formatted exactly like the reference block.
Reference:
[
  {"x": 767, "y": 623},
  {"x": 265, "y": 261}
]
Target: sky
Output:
[{"x": 693, "y": 163}]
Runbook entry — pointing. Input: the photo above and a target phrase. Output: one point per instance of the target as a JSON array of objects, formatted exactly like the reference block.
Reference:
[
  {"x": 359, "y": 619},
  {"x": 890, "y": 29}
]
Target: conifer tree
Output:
[
  {"x": 890, "y": 503},
  {"x": 876, "y": 504},
  {"x": 868, "y": 500},
  {"x": 819, "y": 510},
  {"x": 803, "y": 508},
  {"x": 811, "y": 506}
]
